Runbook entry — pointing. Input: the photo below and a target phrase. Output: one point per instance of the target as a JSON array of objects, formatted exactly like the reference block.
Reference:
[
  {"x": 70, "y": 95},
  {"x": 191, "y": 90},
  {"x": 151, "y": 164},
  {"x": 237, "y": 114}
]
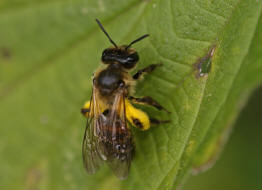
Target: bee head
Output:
[{"x": 123, "y": 55}]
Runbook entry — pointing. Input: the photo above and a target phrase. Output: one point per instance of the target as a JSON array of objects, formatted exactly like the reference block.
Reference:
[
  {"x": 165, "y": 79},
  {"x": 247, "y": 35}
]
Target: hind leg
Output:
[
  {"x": 86, "y": 109},
  {"x": 137, "y": 117},
  {"x": 147, "y": 100},
  {"x": 140, "y": 119}
]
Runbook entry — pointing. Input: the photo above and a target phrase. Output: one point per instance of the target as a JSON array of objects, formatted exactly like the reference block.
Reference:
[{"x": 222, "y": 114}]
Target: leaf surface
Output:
[{"x": 49, "y": 50}]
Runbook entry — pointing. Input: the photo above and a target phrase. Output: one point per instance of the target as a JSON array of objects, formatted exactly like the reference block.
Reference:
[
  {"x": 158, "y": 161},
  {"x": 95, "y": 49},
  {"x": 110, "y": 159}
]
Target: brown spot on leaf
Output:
[
  {"x": 5, "y": 53},
  {"x": 204, "y": 64},
  {"x": 36, "y": 176},
  {"x": 33, "y": 178}
]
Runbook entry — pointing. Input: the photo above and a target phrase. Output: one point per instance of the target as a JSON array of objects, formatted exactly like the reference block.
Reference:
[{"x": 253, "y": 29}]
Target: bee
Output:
[{"x": 110, "y": 112}]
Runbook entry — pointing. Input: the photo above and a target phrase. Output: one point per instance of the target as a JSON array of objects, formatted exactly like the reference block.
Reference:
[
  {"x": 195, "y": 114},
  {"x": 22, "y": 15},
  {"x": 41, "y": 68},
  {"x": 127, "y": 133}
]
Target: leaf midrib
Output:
[
  {"x": 229, "y": 89},
  {"x": 10, "y": 87},
  {"x": 204, "y": 92}
]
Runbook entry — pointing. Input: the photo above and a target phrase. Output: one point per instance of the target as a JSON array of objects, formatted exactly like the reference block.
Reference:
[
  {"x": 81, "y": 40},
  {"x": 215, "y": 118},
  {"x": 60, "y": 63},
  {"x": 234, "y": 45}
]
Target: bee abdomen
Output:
[{"x": 118, "y": 146}]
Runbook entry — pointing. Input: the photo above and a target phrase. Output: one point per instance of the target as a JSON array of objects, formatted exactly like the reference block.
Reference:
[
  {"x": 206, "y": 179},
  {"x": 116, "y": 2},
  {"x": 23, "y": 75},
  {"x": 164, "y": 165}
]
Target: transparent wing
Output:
[
  {"x": 91, "y": 157},
  {"x": 107, "y": 137},
  {"x": 116, "y": 142}
]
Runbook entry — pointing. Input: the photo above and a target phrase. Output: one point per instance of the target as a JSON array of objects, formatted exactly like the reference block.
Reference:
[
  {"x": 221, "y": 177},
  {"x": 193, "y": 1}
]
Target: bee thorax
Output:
[{"x": 109, "y": 80}]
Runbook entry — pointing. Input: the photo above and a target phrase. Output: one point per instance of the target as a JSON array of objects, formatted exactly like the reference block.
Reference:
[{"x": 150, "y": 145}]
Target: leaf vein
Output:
[
  {"x": 175, "y": 32},
  {"x": 210, "y": 12}
]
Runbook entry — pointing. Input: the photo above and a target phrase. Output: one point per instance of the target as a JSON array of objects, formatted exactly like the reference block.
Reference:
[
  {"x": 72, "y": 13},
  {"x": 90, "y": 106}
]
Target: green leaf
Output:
[
  {"x": 234, "y": 171},
  {"x": 49, "y": 50}
]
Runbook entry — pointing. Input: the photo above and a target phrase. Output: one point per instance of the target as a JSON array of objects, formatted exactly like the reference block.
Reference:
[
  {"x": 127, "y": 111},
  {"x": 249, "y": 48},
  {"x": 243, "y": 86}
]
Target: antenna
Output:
[
  {"x": 102, "y": 28},
  {"x": 137, "y": 40}
]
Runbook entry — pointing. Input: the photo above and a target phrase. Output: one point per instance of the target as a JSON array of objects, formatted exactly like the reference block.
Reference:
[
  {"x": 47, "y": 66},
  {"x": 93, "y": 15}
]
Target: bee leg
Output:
[
  {"x": 136, "y": 117},
  {"x": 147, "y": 69},
  {"x": 86, "y": 108},
  {"x": 147, "y": 100},
  {"x": 155, "y": 121}
]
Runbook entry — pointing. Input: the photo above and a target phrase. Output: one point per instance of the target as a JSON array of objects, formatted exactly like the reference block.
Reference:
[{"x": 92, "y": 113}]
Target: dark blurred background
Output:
[{"x": 240, "y": 164}]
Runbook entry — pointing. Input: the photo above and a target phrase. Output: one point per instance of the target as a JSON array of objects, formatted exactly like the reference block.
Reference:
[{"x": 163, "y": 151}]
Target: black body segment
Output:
[
  {"x": 126, "y": 58},
  {"x": 109, "y": 79}
]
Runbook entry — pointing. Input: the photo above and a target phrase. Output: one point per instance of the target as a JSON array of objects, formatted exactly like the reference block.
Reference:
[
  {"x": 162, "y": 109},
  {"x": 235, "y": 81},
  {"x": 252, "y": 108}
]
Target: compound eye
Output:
[
  {"x": 131, "y": 60},
  {"x": 134, "y": 57},
  {"x": 106, "y": 55}
]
